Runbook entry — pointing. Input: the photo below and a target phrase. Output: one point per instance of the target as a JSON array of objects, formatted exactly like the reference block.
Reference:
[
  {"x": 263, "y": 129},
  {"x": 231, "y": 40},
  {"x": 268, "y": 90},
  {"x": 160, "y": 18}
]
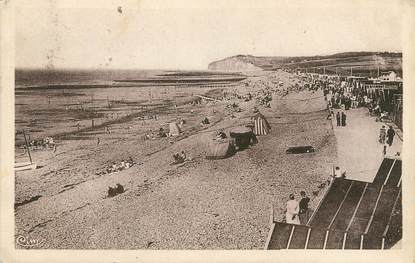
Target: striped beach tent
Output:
[{"x": 261, "y": 125}]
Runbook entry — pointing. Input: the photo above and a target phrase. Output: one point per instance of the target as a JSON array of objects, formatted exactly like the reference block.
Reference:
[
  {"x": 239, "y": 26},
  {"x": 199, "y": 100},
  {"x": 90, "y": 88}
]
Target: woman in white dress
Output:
[{"x": 291, "y": 216}]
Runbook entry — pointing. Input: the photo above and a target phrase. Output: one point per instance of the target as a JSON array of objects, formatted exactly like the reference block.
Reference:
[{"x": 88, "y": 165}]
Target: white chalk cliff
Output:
[{"x": 236, "y": 63}]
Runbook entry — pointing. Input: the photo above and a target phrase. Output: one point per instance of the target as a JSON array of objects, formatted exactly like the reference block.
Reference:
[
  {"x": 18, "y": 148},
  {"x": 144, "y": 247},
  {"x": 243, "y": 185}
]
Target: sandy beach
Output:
[{"x": 203, "y": 204}]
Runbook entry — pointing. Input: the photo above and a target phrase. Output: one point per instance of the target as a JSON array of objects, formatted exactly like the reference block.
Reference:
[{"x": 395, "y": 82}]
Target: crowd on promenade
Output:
[{"x": 341, "y": 97}]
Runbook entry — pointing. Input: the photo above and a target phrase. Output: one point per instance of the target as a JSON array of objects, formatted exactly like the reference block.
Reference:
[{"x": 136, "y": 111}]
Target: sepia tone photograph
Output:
[{"x": 209, "y": 128}]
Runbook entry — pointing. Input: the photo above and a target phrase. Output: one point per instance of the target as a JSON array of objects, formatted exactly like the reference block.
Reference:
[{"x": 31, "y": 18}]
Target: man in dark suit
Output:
[
  {"x": 304, "y": 211},
  {"x": 338, "y": 118},
  {"x": 390, "y": 134}
]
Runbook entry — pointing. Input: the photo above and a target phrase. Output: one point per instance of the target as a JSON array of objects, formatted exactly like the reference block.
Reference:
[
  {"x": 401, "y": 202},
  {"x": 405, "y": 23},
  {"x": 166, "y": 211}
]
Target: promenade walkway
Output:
[{"x": 358, "y": 151}]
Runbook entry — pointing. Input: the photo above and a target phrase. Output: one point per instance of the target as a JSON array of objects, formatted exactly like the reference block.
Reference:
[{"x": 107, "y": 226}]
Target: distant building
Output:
[{"x": 389, "y": 76}]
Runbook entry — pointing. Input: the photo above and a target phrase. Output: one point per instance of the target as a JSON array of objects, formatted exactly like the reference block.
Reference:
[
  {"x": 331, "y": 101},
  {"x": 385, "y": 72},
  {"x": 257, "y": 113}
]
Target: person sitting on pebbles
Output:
[
  {"x": 177, "y": 158},
  {"x": 162, "y": 133},
  {"x": 113, "y": 167},
  {"x": 183, "y": 155},
  {"x": 338, "y": 173},
  {"x": 122, "y": 166},
  {"x": 220, "y": 135},
  {"x": 180, "y": 157},
  {"x": 205, "y": 121}
]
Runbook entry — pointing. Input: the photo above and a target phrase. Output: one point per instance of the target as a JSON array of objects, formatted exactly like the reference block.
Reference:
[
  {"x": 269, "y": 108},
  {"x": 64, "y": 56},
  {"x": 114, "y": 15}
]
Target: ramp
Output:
[
  {"x": 280, "y": 236},
  {"x": 394, "y": 178},
  {"x": 383, "y": 171},
  {"x": 317, "y": 238},
  {"x": 352, "y": 215},
  {"x": 299, "y": 237},
  {"x": 364, "y": 211},
  {"x": 331, "y": 203},
  {"x": 351, "y": 202},
  {"x": 393, "y": 231}
]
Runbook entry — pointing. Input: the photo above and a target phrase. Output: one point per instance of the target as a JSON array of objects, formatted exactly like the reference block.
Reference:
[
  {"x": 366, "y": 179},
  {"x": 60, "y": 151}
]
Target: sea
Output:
[
  {"x": 58, "y": 101},
  {"x": 43, "y": 77}
]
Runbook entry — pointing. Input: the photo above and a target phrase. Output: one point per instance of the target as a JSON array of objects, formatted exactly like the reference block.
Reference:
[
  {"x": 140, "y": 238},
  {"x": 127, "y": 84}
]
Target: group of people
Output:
[
  {"x": 125, "y": 164},
  {"x": 386, "y": 137},
  {"x": 341, "y": 97},
  {"x": 341, "y": 118},
  {"x": 151, "y": 135},
  {"x": 44, "y": 143},
  {"x": 297, "y": 212}
]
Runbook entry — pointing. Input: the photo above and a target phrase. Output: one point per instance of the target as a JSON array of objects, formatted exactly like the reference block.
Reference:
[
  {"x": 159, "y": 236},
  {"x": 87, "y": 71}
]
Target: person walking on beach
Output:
[
  {"x": 291, "y": 216},
  {"x": 390, "y": 135},
  {"x": 338, "y": 118},
  {"x": 303, "y": 214},
  {"x": 382, "y": 134},
  {"x": 343, "y": 119}
]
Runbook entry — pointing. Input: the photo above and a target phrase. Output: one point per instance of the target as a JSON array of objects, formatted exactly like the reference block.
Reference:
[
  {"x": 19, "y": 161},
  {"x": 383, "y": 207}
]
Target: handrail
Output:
[
  {"x": 308, "y": 238},
  {"x": 291, "y": 236},
  {"x": 325, "y": 239},
  {"x": 344, "y": 240}
]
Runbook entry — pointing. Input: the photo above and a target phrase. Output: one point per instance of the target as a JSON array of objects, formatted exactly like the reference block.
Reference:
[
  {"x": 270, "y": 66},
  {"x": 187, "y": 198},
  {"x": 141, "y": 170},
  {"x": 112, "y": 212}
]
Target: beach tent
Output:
[
  {"x": 220, "y": 149},
  {"x": 244, "y": 137},
  {"x": 174, "y": 129},
  {"x": 261, "y": 125}
]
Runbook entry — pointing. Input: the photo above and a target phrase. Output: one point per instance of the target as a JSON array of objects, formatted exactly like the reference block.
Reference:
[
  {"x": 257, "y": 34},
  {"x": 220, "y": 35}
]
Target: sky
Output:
[{"x": 183, "y": 37}]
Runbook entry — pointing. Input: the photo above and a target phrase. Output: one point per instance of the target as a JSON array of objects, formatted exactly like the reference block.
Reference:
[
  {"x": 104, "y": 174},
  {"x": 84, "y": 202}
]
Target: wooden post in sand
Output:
[
  {"x": 27, "y": 146},
  {"x": 175, "y": 102},
  {"x": 272, "y": 215}
]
